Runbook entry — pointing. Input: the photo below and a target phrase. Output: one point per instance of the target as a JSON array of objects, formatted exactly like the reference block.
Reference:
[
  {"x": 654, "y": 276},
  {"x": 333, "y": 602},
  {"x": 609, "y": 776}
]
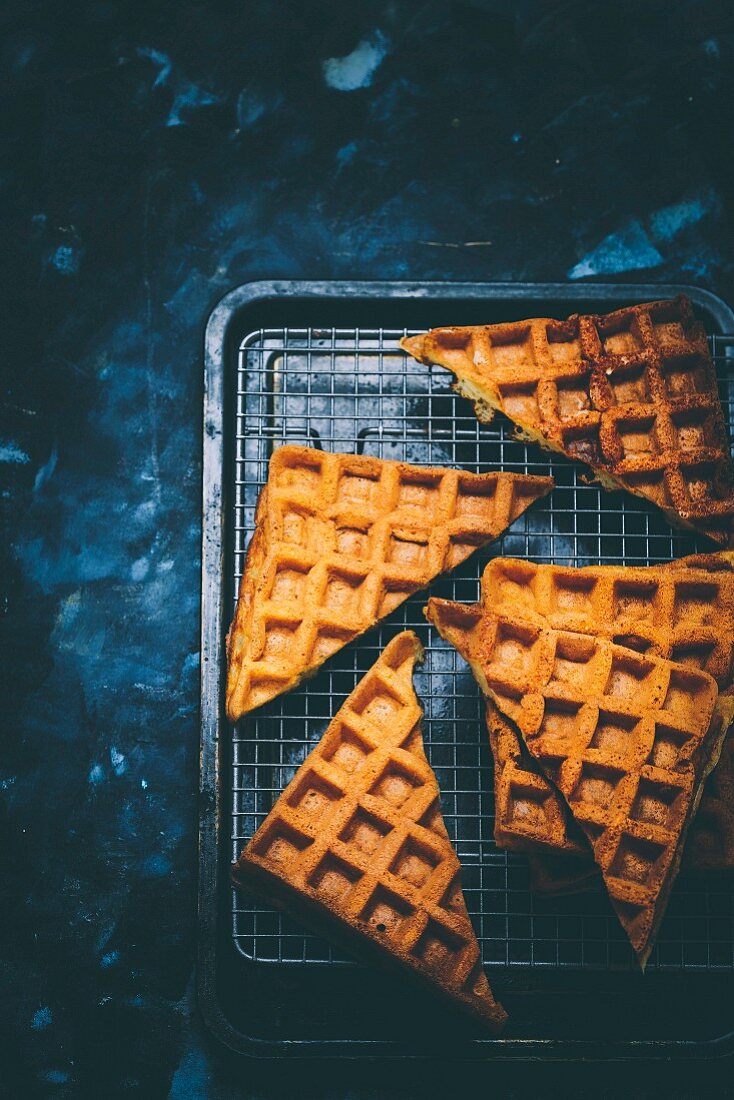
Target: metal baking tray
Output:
[{"x": 319, "y": 363}]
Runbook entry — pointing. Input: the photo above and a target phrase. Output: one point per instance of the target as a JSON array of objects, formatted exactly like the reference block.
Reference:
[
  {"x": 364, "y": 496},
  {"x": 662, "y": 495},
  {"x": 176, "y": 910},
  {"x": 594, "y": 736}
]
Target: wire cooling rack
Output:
[{"x": 354, "y": 390}]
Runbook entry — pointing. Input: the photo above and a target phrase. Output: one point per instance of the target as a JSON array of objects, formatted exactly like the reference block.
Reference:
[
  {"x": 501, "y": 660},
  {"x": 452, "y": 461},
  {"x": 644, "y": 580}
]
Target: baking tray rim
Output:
[{"x": 213, "y": 612}]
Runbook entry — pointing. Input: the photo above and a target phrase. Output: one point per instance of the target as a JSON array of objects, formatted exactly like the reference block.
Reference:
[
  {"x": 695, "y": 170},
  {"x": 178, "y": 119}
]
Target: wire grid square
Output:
[{"x": 355, "y": 391}]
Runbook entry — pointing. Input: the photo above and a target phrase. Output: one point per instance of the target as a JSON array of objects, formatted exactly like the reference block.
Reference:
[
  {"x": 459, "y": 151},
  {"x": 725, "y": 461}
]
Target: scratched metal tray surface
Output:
[{"x": 320, "y": 365}]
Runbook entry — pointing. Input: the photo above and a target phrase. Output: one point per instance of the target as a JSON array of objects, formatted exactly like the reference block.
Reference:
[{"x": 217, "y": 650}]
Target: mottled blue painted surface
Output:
[{"x": 160, "y": 154}]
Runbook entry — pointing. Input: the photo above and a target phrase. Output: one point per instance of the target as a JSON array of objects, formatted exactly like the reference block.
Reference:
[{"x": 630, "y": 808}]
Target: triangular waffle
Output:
[
  {"x": 356, "y": 844},
  {"x": 626, "y": 738},
  {"x": 709, "y": 845},
  {"x": 340, "y": 541},
  {"x": 529, "y": 812},
  {"x": 632, "y": 393},
  {"x": 683, "y": 611}
]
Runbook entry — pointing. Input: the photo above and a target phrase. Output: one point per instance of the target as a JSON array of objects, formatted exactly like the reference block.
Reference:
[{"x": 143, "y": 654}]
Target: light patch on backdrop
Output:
[
  {"x": 42, "y": 1018},
  {"x": 667, "y": 222},
  {"x": 628, "y": 250},
  {"x": 356, "y": 69},
  {"x": 118, "y": 762},
  {"x": 10, "y": 452},
  {"x": 66, "y": 259}
]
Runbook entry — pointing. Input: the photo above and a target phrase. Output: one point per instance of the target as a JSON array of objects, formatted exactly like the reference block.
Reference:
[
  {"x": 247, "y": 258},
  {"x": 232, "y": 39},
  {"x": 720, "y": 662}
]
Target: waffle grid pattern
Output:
[
  {"x": 342, "y": 541},
  {"x": 681, "y": 614},
  {"x": 359, "y": 832},
  {"x": 632, "y": 392},
  {"x": 354, "y": 391},
  {"x": 623, "y": 736}
]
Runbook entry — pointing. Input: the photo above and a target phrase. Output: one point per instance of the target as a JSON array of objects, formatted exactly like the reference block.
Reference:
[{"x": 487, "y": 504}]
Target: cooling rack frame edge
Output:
[{"x": 214, "y": 614}]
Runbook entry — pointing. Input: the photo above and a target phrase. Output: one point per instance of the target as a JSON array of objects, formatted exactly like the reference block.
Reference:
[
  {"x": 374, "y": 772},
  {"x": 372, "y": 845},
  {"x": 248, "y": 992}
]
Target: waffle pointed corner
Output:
[
  {"x": 357, "y": 847},
  {"x": 628, "y": 740},
  {"x": 340, "y": 541},
  {"x": 683, "y": 611},
  {"x": 529, "y": 813},
  {"x": 633, "y": 394}
]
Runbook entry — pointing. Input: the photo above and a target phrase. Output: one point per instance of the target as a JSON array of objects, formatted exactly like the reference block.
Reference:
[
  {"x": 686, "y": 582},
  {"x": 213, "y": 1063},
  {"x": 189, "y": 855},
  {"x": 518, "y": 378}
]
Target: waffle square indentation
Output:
[
  {"x": 655, "y": 803},
  {"x": 395, "y": 785},
  {"x": 695, "y": 603},
  {"x": 314, "y": 794},
  {"x": 630, "y": 679},
  {"x": 437, "y": 945},
  {"x": 350, "y": 751},
  {"x": 637, "y": 435},
  {"x": 526, "y": 806},
  {"x": 669, "y": 747},
  {"x": 353, "y": 542},
  {"x": 572, "y": 593},
  {"x": 333, "y": 878},
  {"x": 514, "y": 647},
  {"x": 365, "y": 831},
  {"x": 282, "y": 844},
  {"x": 573, "y": 396},
  {"x": 571, "y": 665},
  {"x": 520, "y": 401},
  {"x": 343, "y": 592},
  {"x": 636, "y": 859},
  {"x": 357, "y": 488},
  {"x": 685, "y": 376},
  {"x": 635, "y": 600},
  {"x": 629, "y": 385},
  {"x": 415, "y": 862},
  {"x": 419, "y": 492},
  {"x": 685, "y": 692},
  {"x": 596, "y": 784},
  {"x": 386, "y": 911},
  {"x": 620, "y": 338},
  {"x": 280, "y": 637},
  {"x": 615, "y": 734},
  {"x": 289, "y": 583},
  {"x": 410, "y": 551}
]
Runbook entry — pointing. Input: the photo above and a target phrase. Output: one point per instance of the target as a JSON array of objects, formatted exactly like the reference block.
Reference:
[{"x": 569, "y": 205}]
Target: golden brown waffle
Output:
[
  {"x": 340, "y": 541},
  {"x": 632, "y": 393},
  {"x": 529, "y": 812},
  {"x": 626, "y": 738},
  {"x": 710, "y": 842},
  {"x": 356, "y": 843},
  {"x": 530, "y": 815},
  {"x": 678, "y": 611},
  {"x": 687, "y": 618}
]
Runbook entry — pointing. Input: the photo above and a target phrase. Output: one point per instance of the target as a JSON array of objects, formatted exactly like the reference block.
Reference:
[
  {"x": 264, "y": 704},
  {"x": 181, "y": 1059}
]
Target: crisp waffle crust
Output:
[
  {"x": 356, "y": 843},
  {"x": 683, "y": 611},
  {"x": 626, "y": 738},
  {"x": 632, "y": 393},
  {"x": 340, "y": 542}
]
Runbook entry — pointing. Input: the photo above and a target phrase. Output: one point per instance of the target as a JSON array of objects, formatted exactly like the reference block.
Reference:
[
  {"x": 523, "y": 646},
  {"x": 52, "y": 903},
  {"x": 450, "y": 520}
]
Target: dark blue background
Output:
[{"x": 160, "y": 153}]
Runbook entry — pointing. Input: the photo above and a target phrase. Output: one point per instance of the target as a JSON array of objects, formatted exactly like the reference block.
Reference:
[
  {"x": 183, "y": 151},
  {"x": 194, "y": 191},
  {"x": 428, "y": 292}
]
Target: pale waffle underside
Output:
[
  {"x": 340, "y": 542},
  {"x": 356, "y": 844},
  {"x": 624, "y": 737},
  {"x": 633, "y": 394}
]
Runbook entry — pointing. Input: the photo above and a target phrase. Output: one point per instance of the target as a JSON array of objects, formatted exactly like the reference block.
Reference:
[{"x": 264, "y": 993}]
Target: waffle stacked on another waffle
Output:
[
  {"x": 683, "y": 611},
  {"x": 626, "y": 738},
  {"x": 340, "y": 541},
  {"x": 356, "y": 843},
  {"x": 632, "y": 393}
]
